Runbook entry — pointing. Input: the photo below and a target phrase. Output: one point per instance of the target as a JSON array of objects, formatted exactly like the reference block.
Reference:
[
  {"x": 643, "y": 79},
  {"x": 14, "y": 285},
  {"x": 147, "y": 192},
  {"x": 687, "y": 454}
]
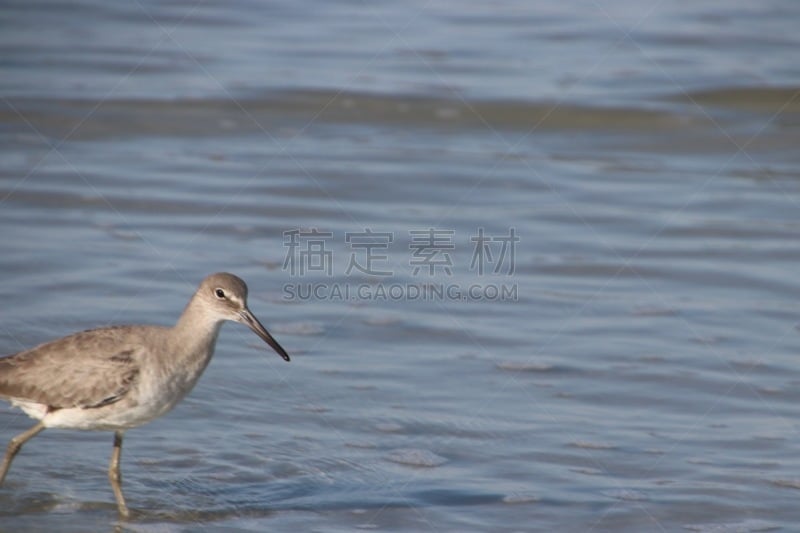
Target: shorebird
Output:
[{"x": 119, "y": 377}]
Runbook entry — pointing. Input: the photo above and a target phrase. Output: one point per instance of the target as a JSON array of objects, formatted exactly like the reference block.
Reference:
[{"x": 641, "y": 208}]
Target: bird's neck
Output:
[{"x": 195, "y": 333}]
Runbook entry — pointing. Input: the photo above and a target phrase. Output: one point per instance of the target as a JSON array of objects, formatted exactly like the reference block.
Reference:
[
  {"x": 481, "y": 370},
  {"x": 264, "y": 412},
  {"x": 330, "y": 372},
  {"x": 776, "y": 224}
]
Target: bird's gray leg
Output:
[
  {"x": 15, "y": 445},
  {"x": 115, "y": 477}
]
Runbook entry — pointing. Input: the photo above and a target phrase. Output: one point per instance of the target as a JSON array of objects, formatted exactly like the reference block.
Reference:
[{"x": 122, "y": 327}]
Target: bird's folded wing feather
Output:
[{"x": 87, "y": 369}]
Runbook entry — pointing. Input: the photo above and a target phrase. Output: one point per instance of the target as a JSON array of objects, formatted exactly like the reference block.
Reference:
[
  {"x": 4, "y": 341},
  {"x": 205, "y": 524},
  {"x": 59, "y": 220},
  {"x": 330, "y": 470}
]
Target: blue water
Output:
[{"x": 639, "y": 373}]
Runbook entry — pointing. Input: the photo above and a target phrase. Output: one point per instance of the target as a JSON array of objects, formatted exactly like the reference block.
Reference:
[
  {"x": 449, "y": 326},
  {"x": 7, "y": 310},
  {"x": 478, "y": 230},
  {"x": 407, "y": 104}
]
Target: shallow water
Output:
[{"x": 640, "y": 372}]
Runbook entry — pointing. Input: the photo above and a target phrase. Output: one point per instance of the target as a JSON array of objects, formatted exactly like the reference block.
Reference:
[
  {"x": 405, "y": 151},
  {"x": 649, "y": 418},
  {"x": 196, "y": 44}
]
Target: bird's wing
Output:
[{"x": 87, "y": 369}]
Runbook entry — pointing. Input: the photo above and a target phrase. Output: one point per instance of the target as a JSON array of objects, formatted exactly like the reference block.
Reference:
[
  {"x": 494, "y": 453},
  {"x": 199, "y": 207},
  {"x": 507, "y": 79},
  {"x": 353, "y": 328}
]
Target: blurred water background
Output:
[{"x": 638, "y": 368}]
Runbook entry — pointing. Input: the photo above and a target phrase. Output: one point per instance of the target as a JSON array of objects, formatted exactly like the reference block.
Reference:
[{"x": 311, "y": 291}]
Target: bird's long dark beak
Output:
[{"x": 252, "y": 322}]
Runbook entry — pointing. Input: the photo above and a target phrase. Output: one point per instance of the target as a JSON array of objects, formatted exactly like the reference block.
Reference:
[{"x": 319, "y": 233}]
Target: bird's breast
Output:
[{"x": 163, "y": 386}]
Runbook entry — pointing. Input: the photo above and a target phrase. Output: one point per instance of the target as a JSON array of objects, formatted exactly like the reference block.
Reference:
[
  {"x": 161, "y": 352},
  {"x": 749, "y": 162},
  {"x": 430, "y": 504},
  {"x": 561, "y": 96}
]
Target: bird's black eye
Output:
[{"x": 220, "y": 293}]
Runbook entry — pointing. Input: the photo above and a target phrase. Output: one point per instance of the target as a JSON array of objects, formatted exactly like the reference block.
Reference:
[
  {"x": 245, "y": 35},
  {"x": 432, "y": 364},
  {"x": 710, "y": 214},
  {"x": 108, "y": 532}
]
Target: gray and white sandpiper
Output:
[{"x": 119, "y": 377}]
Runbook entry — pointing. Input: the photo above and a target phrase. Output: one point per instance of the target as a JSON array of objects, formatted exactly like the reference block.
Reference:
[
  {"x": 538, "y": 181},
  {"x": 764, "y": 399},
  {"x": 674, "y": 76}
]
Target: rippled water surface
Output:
[{"x": 641, "y": 371}]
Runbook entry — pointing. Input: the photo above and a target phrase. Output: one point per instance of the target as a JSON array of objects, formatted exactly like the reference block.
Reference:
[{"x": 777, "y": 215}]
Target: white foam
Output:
[
  {"x": 515, "y": 366},
  {"x": 627, "y": 495},
  {"x": 745, "y": 526},
  {"x": 787, "y": 483},
  {"x": 520, "y": 498},
  {"x": 416, "y": 457},
  {"x": 592, "y": 445}
]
